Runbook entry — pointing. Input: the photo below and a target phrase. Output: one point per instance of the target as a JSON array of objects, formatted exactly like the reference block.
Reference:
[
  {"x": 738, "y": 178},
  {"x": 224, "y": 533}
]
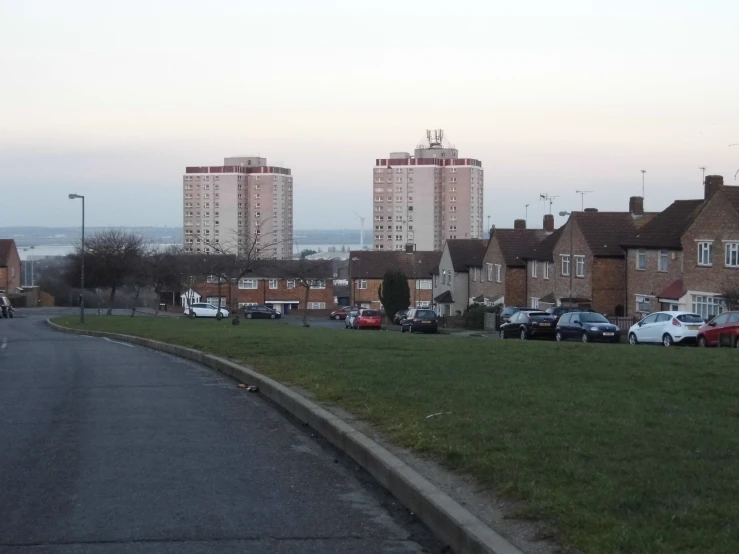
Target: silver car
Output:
[{"x": 349, "y": 321}]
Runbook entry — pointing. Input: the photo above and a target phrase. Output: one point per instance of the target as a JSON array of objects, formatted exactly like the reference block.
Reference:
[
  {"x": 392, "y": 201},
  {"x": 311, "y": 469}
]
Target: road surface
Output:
[{"x": 108, "y": 448}]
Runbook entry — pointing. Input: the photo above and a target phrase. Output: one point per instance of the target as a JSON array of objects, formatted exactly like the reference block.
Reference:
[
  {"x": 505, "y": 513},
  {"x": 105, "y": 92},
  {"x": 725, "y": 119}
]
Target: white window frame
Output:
[
  {"x": 274, "y": 283},
  {"x": 546, "y": 270},
  {"x": 316, "y": 305},
  {"x": 705, "y": 253},
  {"x": 362, "y": 284},
  {"x": 579, "y": 266},
  {"x": 291, "y": 283},
  {"x": 534, "y": 302},
  {"x": 534, "y": 269},
  {"x": 490, "y": 273},
  {"x": 317, "y": 283},
  {"x": 705, "y": 305},
  {"x": 663, "y": 255},
  {"x": 641, "y": 300},
  {"x": 423, "y": 284},
  {"x": 498, "y": 271},
  {"x": 731, "y": 251},
  {"x": 565, "y": 258},
  {"x": 248, "y": 284},
  {"x": 423, "y": 303}
]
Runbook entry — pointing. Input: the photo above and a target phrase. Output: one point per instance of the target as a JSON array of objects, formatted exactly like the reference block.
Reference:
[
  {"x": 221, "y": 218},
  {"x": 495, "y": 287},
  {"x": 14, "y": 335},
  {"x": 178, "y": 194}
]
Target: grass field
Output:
[{"x": 624, "y": 449}]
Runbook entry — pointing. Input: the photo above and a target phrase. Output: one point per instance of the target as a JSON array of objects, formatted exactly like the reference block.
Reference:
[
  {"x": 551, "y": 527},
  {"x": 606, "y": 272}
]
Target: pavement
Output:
[{"x": 110, "y": 448}]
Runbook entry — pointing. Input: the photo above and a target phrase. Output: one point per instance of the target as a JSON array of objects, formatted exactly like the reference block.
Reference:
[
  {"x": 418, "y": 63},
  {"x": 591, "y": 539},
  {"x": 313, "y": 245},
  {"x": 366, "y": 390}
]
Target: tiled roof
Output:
[
  {"x": 514, "y": 243},
  {"x": 675, "y": 291},
  {"x": 373, "y": 264},
  {"x": 666, "y": 228},
  {"x": 466, "y": 253},
  {"x": 6, "y": 247},
  {"x": 341, "y": 290},
  {"x": 445, "y": 298},
  {"x": 605, "y": 232},
  {"x": 285, "y": 269},
  {"x": 544, "y": 250},
  {"x": 732, "y": 195},
  {"x": 549, "y": 298}
]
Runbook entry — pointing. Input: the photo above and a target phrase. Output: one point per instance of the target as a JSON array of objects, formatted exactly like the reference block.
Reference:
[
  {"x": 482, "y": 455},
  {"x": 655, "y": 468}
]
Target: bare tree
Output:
[
  {"x": 111, "y": 258},
  {"x": 244, "y": 251},
  {"x": 162, "y": 271},
  {"x": 307, "y": 274},
  {"x": 731, "y": 298}
]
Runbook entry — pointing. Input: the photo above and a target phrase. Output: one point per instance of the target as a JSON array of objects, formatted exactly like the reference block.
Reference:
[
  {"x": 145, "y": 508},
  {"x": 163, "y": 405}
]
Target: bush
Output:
[{"x": 474, "y": 316}]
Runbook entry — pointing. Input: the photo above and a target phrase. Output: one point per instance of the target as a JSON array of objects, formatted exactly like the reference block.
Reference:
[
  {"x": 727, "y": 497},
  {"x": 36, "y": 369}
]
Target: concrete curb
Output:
[{"x": 445, "y": 518}]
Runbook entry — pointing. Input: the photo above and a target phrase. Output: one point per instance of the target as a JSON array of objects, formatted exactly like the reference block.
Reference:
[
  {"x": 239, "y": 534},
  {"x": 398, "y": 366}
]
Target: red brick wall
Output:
[
  {"x": 491, "y": 288},
  {"x": 650, "y": 281},
  {"x": 539, "y": 287},
  {"x": 10, "y": 276},
  {"x": 581, "y": 286},
  {"x": 263, "y": 294},
  {"x": 515, "y": 287},
  {"x": 608, "y": 284},
  {"x": 371, "y": 295}
]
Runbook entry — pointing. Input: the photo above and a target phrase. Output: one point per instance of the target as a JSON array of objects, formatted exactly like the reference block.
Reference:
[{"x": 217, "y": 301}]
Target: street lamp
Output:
[
  {"x": 82, "y": 259},
  {"x": 572, "y": 254}
]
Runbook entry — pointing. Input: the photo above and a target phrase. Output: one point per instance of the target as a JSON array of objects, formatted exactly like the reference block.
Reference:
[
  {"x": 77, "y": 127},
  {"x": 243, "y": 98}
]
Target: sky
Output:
[{"x": 113, "y": 99}]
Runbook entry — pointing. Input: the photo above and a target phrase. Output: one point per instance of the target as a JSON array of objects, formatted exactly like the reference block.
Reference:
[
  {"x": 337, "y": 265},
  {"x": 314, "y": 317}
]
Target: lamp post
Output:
[
  {"x": 82, "y": 259},
  {"x": 572, "y": 255}
]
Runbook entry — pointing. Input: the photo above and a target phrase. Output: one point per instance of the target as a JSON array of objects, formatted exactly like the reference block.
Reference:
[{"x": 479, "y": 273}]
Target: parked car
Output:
[
  {"x": 586, "y": 326},
  {"x": 349, "y": 320},
  {"x": 726, "y": 323},
  {"x": 399, "y": 316},
  {"x": 667, "y": 328},
  {"x": 368, "y": 319},
  {"x": 558, "y": 311},
  {"x": 529, "y": 324},
  {"x": 6, "y": 308},
  {"x": 420, "y": 320},
  {"x": 203, "y": 309},
  {"x": 261, "y": 312},
  {"x": 341, "y": 313},
  {"x": 508, "y": 312}
]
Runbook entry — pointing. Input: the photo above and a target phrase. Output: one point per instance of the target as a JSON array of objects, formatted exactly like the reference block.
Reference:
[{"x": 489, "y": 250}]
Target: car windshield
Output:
[
  {"x": 425, "y": 313},
  {"x": 538, "y": 314},
  {"x": 592, "y": 318},
  {"x": 353, "y": 313},
  {"x": 690, "y": 318},
  {"x": 370, "y": 312}
]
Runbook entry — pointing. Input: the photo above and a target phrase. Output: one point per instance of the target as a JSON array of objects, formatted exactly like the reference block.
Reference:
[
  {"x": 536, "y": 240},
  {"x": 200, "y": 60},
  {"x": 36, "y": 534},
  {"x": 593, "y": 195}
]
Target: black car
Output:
[
  {"x": 586, "y": 326},
  {"x": 506, "y": 315},
  {"x": 399, "y": 316},
  {"x": 529, "y": 324},
  {"x": 559, "y": 311},
  {"x": 261, "y": 312},
  {"x": 420, "y": 320}
]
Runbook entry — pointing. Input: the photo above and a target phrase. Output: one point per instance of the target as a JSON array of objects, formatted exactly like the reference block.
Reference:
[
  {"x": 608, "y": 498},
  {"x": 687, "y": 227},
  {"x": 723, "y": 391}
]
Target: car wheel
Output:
[
  {"x": 558, "y": 337},
  {"x": 502, "y": 334},
  {"x": 248, "y": 316},
  {"x": 667, "y": 340},
  {"x": 410, "y": 329},
  {"x": 736, "y": 343},
  {"x": 585, "y": 337},
  {"x": 192, "y": 315},
  {"x": 524, "y": 334},
  {"x": 219, "y": 316},
  {"x": 702, "y": 342},
  {"x": 402, "y": 329},
  {"x": 272, "y": 316},
  {"x": 633, "y": 339},
  {"x": 337, "y": 317}
]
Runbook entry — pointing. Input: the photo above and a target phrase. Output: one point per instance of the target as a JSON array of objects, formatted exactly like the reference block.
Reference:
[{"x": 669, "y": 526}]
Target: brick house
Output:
[
  {"x": 458, "y": 279},
  {"x": 504, "y": 268},
  {"x": 688, "y": 256},
  {"x": 368, "y": 267},
  {"x": 539, "y": 271},
  {"x": 10, "y": 267},
  {"x": 277, "y": 284}
]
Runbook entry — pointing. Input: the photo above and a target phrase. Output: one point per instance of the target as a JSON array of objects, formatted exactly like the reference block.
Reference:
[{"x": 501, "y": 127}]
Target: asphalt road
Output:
[{"x": 109, "y": 448}]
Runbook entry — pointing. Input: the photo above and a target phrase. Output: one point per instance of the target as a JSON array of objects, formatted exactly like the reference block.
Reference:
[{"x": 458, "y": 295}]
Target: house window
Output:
[
  {"x": 474, "y": 274},
  {"x": 534, "y": 269},
  {"x": 362, "y": 284},
  {"x": 273, "y": 283},
  {"x": 643, "y": 304},
  {"x": 214, "y": 300},
  {"x": 213, "y": 278},
  {"x": 566, "y": 265},
  {"x": 732, "y": 254},
  {"x": 580, "y": 266},
  {"x": 534, "y": 302},
  {"x": 423, "y": 303},
  {"x": 641, "y": 260},
  {"x": 498, "y": 268},
  {"x": 291, "y": 283},
  {"x": 423, "y": 284},
  {"x": 318, "y": 283},
  {"x": 316, "y": 305},
  {"x": 705, "y": 253},
  {"x": 707, "y": 306},
  {"x": 490, "y": 273},
  {"x": 546, "y": 270},
  {"x": 248, "y": 283},
  {"x": 664, "y": 260}
]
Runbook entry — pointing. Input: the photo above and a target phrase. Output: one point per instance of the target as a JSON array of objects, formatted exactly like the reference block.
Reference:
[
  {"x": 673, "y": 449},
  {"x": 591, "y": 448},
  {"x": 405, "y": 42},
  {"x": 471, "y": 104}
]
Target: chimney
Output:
[
  {"x": 591, "y": 210},
  {"x": 712, "y": 184},
  {"x": 519, "y": 224},
  {"x": 549, "y": 223},
  {"x": 636, "y": 205}
]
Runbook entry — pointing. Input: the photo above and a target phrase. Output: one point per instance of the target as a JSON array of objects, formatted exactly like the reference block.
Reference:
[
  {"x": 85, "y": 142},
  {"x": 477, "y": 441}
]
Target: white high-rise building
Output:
[
  {"x": 242, "y": 203},
  {"x": 426, "y": 198}
]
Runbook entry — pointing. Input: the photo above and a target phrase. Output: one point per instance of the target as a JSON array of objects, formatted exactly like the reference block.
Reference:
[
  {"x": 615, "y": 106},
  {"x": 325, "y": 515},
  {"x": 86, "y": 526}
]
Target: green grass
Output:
[{"x": 624, "y": 449}]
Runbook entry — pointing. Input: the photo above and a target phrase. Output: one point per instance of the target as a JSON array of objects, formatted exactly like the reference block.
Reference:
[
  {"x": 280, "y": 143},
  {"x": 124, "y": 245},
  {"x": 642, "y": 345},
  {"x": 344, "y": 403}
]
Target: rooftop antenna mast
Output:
[
  {"x": 548, "y": 198},
  {"x": 582, "y": 194},
  {"x": 436, "y": 141}
]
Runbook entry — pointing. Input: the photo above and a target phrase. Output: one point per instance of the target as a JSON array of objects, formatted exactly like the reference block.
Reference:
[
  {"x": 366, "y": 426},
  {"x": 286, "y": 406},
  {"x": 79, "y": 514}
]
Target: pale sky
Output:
[{"x": 113, "y": 99}]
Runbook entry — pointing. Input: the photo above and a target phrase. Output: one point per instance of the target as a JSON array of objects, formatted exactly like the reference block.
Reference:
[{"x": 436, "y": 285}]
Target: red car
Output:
[
  {"x": 341, "y": 313},
  {"x": 726, "y": 323},
  {"x": 368, "y": 319}
]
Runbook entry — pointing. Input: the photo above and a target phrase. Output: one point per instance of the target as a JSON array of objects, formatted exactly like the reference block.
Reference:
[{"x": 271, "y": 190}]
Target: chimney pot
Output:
[
  {"x": 591, "y": 210},
  {"x": 636, "y": 205},
  {"x": 712, "y": 184},
  {"x": 519, "y": 224},
  {"x": 549, "y": 223}
]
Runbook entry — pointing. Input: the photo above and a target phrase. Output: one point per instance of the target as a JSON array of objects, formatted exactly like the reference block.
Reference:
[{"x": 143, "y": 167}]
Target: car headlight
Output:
[{"x": 593, "y": 328}]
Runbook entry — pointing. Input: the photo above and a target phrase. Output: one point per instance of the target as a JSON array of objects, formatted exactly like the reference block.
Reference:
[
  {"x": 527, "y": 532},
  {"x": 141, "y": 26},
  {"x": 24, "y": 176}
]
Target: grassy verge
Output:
[{"x": 625, "y": 449}]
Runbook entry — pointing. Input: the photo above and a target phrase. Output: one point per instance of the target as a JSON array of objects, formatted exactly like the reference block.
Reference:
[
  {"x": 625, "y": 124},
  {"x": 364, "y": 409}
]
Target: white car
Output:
[
  {"x": 667, "y": 328},
  {"x": 349, "y": 321},
  {"x": 203, "y": 309}
]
